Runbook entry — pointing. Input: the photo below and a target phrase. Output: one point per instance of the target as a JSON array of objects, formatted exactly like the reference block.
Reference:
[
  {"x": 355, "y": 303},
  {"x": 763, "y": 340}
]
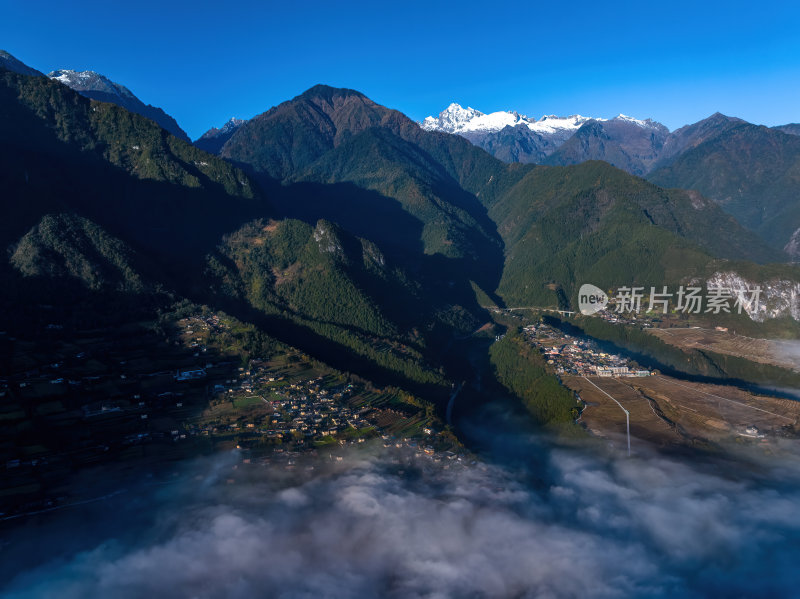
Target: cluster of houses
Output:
[
  {"x": 119, "y": 398},
  {"x": 581, "y": 357},
  {"x": 629, "y": 318},
  {"x": 316, "y": 412},
  {"x": 294, "y": 411}
]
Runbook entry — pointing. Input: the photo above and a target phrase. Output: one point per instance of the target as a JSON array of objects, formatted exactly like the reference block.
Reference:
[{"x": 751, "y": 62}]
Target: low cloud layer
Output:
[{"x": 370, "y": 526}]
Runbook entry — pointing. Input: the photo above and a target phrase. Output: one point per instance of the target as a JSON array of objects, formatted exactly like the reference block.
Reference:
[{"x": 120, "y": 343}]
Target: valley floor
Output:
[
  {"x": 765, "y": 351},
  {"x": 670, "y": 413}
]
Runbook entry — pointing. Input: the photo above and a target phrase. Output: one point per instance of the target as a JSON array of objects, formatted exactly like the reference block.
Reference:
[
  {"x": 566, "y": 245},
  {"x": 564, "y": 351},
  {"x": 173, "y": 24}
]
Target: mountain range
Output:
[
  {"x": 342, "y": 227},
  {"x": 625, "y": 142},
  {"x": 329, "y": 345},
  {"x": 750, "y": 170},
  {"x": 508, "y": 135},
  {"x": 344, "y": 231}
]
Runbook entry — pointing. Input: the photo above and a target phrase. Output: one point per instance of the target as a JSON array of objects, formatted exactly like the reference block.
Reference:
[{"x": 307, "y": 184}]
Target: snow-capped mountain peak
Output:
[
  {"x": 232, "y": 125},
  {"x": 459, "y": 120},
  {"x": 644, "y": 124},
  {"x": 228, "y": 129},
  {"x": 552, "y": 124},
  {"x": 90, "y": 81},
  {"x": 456, "y": 119},
  {"x": 213, "y": 139},
  {"x": 514, "y": 137}
]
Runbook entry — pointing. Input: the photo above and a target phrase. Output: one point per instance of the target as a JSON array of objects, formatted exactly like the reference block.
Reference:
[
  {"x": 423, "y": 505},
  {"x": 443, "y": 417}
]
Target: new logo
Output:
[{"x": 591, "y": 299}]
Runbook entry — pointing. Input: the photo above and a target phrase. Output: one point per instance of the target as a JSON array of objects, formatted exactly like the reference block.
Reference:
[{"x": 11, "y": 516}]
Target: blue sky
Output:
[{"x": 676, "y": 62}]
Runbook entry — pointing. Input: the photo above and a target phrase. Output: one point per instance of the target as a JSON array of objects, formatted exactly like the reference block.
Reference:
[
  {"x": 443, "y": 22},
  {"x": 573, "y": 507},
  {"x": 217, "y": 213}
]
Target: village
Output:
[
  {"x": 287, "y": 401},
  {"x": 643, "y": 319},
  {"x": 86, "y": 401},
  {"x": 570, "y": 355}
]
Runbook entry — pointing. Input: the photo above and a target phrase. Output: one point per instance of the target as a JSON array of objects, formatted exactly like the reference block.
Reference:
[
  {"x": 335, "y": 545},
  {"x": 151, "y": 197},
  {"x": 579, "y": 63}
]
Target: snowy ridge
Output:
[
  {"x": 551, "y": 124},
  {"x": 232, "y": 125},
  {"x": 67, "y": 76},
  {"x": 644, "y": 124},
  {"x": 213, "y": 139},
  {"x": 90, "y": 81},
  {"x": 228, "y": 129},
  {"x": 456, "y": 119}
]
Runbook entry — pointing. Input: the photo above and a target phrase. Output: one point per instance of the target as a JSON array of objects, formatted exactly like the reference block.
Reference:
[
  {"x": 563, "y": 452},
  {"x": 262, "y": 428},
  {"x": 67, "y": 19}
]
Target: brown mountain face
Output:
[
  {"x": 284, "y": 141},
  {"x": 690, "y": 136},
  {"x": 340, "y": 156},
  {"x": 516, "y": 144},
  {"x": 289, "y": 137},
  {"x": 791, "y": 128},
  {"x": 752, "y": 171},
  {"x": 624, "y": 144}
]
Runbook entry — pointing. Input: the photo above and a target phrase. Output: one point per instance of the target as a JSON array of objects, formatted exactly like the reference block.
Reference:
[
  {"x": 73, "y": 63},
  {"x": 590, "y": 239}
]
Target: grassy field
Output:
[
  {"x": 669, "y": 413},
  {"x": 765, "y": 351}
]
